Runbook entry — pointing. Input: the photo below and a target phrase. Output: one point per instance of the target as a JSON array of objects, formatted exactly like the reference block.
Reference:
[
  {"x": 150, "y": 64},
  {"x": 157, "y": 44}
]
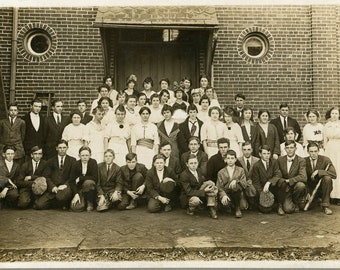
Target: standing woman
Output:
[
  {"x": 108, "y": 80},
  {"x": 248, "y": 126},
  {"x": 211, "y": 131},
  {"x": 147, "y": 88},
  {"x": 332, "y": 148},
  {"x": 75, "y": 134},
  {"x": 117, "y": 136},
  {"x": 233, "y": 131},
  {"x": 168, "y": 130},
  {"x": 109, "y": 115},
  {"x": 156, "y": 109},
  {"x": 203, "y": 112},
  {"x": 141, "y": 101},
  {"x": 313, "y": 131},
  {"x": 180, "y": 106},
  {"x": 164, "y": 97},
  {"x": 95, "y": 134},
  {"x": 204, "y": 84},
  {"x": 144, "y": 138},
  {"x": 130, "y": 90},
  {"x": 187, "y": 83},
  {"x": 266, "y": 134}
]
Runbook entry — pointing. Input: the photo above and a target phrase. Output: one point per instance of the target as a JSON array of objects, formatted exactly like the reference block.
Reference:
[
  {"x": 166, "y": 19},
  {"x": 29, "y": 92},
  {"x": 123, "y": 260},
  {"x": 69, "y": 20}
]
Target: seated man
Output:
[
  {"x": 133, "y": 176},
  {"x": 9, "y": 172},
  {"x": 291, "y": 185},
  {"x": 194, "y": 149},
  {"x": 160, "y": 185},
  {"x": 109, "y": 185},
  {"x": 84, "y": 178},
  {"x": 264, "y": 175},
  {"x": 231, "y": 182},
  {"x": 320, "y": 168},
  {"x": 57, "y": 174},
  {"x": 195, "y": 190},
  {"x": 30, "y": 171}
]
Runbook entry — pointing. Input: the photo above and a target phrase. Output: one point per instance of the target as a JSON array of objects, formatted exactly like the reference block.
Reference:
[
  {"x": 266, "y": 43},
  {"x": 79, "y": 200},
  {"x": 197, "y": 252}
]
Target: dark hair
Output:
[
  {"x": 103, "y": 86},
  {"x": 35, "y": 148},
  {"x": 214, "y": 108},
  {"x": 192, "y": 107},
  {"x": 120, "y": 108},
  {"x": 105, "y": 98},
  {"x": 12, "y": 104},
  {"x": 130, "y": 156},
  {"x": 155, "y": 95},
  {"x": 190, "y": 157},
  {"x": 129, "y": 97},
  {"x": 247, "y": 143},
  {"x": 239, "y": 95},
  {"x": 121, "y": 93},
  {"x": 107, "y": 151},
  {"x": 194, "y": 138},
  {"x": 312, "y": 144},
  {"x": 36, "y": 100},
  {"x": 144, "y": 108},
  {"x": 263, "y": 111},
  {"x": 84, "y": 148},
  {"x": 288, "y": 129},
  {"x": 54, "y": 101},
  {"x": 223, "y": 140},
  {"x": 164, "y": 143},
  {"x": 204, "y": 76},
  {"x": 284, "y": 105},
  {"x": 9, "y": 147},
  {"x": 81, "y": 101},
  {"x": 288, "y": 142},
  {"x": 167, "y": 107},
  {"x": 131, "y": 80},
  {"x": 157, "y": 156},
  {"x": 108, "y": 77},
  {"x": 228, "y": 111},
  {"x": 96, "y": 109},
  {"x": 314, "y": 112},
  {"x": 231, "y": 152},
  {"x": 164, "y": 91},
  {"x": 164, "y": 80},
  {"x": 62, "y": 141},
  {"x": 187, "y": 78},
  {"x": 248, "y": 109},
  {"x": 148, "y": 80},
  {"x": 204, "y": 97},
  {"x": 328, "y": 113},
  {"x": 264, "y": 147},
  {"x": 76, "y": 112},
  {"x": 141, "y": 94}
]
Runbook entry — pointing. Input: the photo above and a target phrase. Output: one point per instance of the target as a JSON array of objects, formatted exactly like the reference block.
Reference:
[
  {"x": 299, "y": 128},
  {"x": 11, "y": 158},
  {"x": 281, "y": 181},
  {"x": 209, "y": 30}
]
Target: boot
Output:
[
  {"x": 212, "y": 212},
  {"x": 238, "y": 213},
  {"x": 132, "y": 205},
  {"x": 280, "y": 211},
  {"x": 89, "y": 206}
]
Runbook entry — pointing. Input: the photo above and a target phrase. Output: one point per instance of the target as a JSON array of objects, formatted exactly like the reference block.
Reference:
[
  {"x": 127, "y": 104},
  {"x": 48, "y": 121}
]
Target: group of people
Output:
[{"x": 171, "y": 148}]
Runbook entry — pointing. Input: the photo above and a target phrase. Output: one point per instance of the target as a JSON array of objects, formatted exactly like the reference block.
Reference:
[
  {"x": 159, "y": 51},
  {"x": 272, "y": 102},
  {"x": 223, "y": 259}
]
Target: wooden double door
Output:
[{"x": 172, "y": 61}]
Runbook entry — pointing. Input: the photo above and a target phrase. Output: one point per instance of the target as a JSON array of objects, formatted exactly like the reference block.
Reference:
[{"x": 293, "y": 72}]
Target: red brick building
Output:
[{"x": 270, "y": 53}]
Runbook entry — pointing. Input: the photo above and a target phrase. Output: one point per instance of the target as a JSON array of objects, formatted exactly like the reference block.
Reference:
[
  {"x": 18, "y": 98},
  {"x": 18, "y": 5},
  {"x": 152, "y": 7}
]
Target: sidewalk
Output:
[{"x": 57, "y": 229}]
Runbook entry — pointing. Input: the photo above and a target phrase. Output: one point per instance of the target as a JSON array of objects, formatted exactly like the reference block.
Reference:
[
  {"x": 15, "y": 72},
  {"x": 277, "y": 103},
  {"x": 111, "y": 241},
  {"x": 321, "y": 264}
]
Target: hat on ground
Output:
[
  {"x": 266, "y": 199},
  {"x": 39, "y": 186}
]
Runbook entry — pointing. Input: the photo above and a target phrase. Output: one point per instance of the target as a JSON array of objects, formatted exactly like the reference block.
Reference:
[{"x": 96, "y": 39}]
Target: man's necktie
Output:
[
  {"x": 313, "y": 164},
  {"x": 36, "y": 167},
  {"x": 108, "y": 169},
  {"x": 267, "y": 165},
  {"x": 58, "y": 119},
  {"x": 12, "y": 122},
  {"x": 61, "y": 163},
  {"x": 193, "y": 129},
  {"x": 285, "y": 122},
  {"x": 248, "y": 165}
]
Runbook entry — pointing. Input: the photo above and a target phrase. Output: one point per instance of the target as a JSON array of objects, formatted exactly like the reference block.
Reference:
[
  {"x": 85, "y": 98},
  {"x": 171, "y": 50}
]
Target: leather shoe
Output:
[
  {"x": 280, "y": 211},
  {"x": 212, "y": 212},
  {"x": 132, "y": 205},
  {"x": 238, "y": 213},
  {"x": 89, "y": 207},
  {"x": 327, "y": 210},
  {"x": 190, "y": 212},
  {"x": 167, "y": 208}
]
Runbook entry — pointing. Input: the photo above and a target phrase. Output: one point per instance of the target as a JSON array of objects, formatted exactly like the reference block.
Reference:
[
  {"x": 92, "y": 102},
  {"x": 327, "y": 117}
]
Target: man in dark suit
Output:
[
  {"x": 9, "y": 172},
  {"x": 264, "y": 174},
  {"x": 85, "y": 116},
  {"x": 55, "y": 125},
  {"x": 190, "y": 127},
  {"x": 170, "y": 161},
  {"x": 133, "y": 175},
  {"x": 291, "y": 185},
  {"x": 35, "y": 128},
  {"x": 283, "y": 121},
  {"x": 160, "y": 185},
  {"x": 29, "y": 171},
  {"x": 109, "y": 185},
  {"x": 12, "y": 132},
  {"x": 238, "y": 110},
  {"x": 194, "y": 149},
  {"x": 320, "y": 168},
  {"x": 57, "y": 174},
  {"x": 195, "y": 190}
]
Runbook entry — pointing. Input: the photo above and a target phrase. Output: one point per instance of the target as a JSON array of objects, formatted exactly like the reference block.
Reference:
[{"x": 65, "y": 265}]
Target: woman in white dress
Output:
[
  {"x": 95, "y": 135},
  {"x": 75, "y": 134},
  {"x": 117, "y": 136},
  {"x": 156, "y": 109},
  {"x": 108, "y": 80},
  {"x": 131, "y": 117},
  {"x": 313, "y": 131},
  {"x": 203, "y": 113},
  {"x": 109, "y": 115},
  {"x": 233, "y": 131},
  {"x": 144, "y": 138},
  {"x": 332, "y": 148},
  {"x": 211, "y": 131},
  {"x": 141, "y": 101}
]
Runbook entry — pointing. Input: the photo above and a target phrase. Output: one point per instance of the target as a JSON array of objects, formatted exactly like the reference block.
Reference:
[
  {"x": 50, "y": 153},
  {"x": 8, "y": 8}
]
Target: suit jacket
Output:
[
  {"x": 224, "y": 180},
  {"x": 53, "y": 134},
  {"x": 191, "y": 185},
  {"x": 126, "y": 178},
  {"x": 321, "y": 165},
  {"x": 86, "y": 119},
  {"x": 272, "y": 139},
  {"x": 253, "y": 160},
  {"x": 56, "y": 177},
  {"x": 27, "y": 170},
  {"x": 297, "y": 172},
  {"x": 109, "y": 181},
  {"x": 202, "y": 160},
  {"x": 152, "y": 181},
  {"x": 291, "y": 122},
  {"x": 175, "y": 165},
  {"x": 237, "y": 115},
  {"x": 184, "y": 135},
  {"x": 13, "y": 135},
  {"x": 171, "y": 138},
  {"x": 260, "y": 176},
  {"x": 5, "y": 174},
  {"x": 34, "y": 137},
  {"x": 91, "y": 174}
]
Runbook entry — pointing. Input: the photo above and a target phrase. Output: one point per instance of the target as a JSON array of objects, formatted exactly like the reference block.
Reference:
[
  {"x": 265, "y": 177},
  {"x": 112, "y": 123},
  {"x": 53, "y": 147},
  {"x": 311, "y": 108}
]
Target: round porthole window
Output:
[
  {"x": 37, "y": 42},
  {"x": 255, "y": 45}
]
